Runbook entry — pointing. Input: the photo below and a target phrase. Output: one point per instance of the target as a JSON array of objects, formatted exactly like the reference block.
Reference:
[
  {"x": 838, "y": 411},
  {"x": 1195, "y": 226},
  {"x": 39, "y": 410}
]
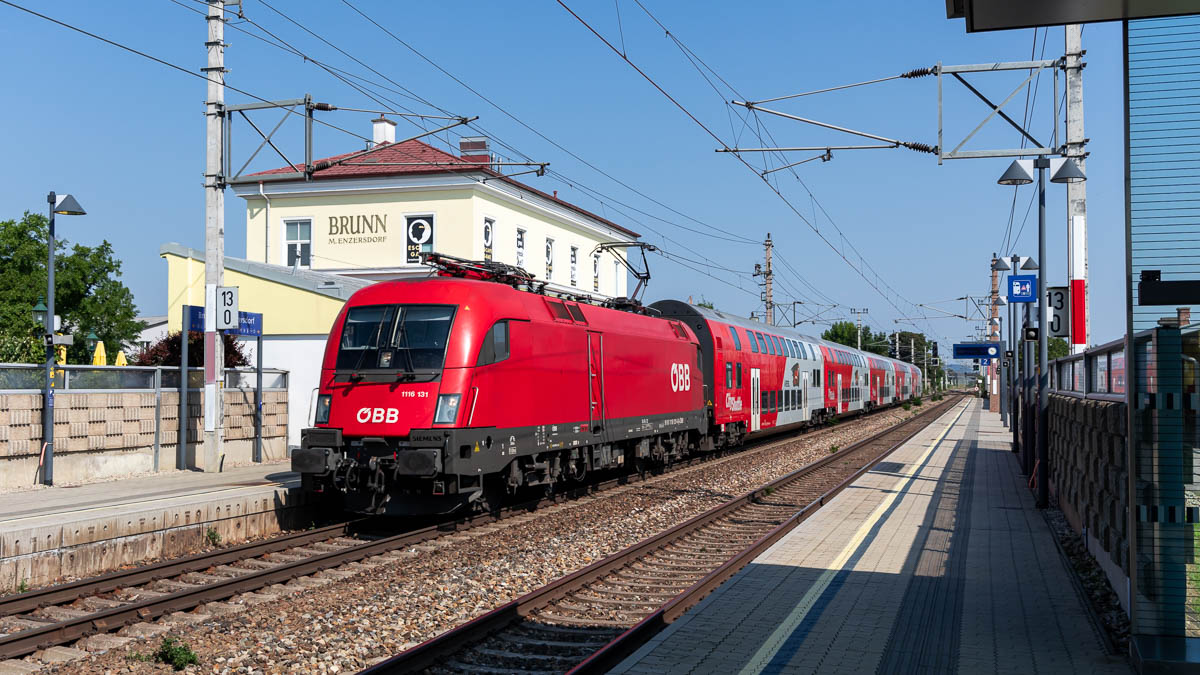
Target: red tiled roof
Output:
[{"x": 416, "y": 158}]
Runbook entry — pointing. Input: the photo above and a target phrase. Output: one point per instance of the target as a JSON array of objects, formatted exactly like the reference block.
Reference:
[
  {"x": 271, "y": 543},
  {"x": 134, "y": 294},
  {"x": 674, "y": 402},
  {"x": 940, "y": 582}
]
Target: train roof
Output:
[{"x": 750, "y": 324}]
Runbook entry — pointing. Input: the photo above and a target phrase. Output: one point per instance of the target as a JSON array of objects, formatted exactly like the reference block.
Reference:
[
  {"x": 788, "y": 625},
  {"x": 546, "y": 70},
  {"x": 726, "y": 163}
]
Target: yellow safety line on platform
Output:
[
  {"x": 775, "y": 641},
  {"x": 148, "y": 501}
]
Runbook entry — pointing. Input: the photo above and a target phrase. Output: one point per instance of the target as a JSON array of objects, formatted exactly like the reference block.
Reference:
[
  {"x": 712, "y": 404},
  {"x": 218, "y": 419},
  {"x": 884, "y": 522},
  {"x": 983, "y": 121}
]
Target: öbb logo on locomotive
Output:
[
  {"x": 378, "y": 415},
  {"x": 459, "y": 391},
  {"x": 681, "y": 377}
]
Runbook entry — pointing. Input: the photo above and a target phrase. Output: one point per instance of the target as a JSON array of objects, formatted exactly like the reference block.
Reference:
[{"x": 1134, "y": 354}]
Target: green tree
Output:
[
  {"x": 1057, "y": 348},
  {"x": 846, "y": 333},
  {"x": 88, "y": 294}
]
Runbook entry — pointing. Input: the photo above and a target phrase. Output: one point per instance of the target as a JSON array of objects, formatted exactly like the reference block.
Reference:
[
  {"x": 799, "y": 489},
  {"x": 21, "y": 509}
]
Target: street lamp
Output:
[
  {"x": 39, "y": 313},
  {"x": 64, "y": 205},
  {"x": 1020, "y": 173},
  {"x": 91, "y": 341}
]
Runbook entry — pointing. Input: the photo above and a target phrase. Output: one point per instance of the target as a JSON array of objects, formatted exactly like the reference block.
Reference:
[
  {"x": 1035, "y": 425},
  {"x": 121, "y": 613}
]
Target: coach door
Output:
[
  {"x": 596, "y": 381},
  {"x": 755, "y": 401},
  {"x": 804, "y": 396},
  {"x": 837, "y": 401}
]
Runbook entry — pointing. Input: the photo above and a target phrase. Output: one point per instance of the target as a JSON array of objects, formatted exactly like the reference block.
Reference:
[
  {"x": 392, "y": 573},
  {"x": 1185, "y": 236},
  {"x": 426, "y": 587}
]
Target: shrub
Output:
[
  {"x": 175, "y": 654},
  {"x": 213, "y": 536},
  {"x": 907, "y": 406},
  {"x": 166, "y": 352}
]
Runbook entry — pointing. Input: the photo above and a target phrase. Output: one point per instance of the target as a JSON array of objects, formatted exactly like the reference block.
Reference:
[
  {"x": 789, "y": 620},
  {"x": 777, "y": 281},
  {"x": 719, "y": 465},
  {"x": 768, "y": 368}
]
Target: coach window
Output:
[
  {"x": 771, "y": 345},
  {"x": 763, "y": 402},
  {"x": 739, "y": 375},
  {"x": 762, "y": 343},
  {"x": 495, "y": 345},
  {"x": 728, "y": 375},
  {"x": 753, "y": 344},
  {"x": 737, "y": 343}
]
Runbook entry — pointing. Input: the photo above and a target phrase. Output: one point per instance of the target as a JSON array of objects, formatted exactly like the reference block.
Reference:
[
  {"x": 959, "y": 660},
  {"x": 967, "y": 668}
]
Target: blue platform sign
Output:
[
  {"x": 249, "y": 323},
  {"x": 977, "y": 350},
  {"x": 1022, "y": 288}
]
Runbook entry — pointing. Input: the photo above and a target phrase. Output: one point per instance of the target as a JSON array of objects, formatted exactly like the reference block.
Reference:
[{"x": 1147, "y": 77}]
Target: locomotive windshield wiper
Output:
[
  {"x": 356, "y": 376},
  {"x": 402, "y": 335}
]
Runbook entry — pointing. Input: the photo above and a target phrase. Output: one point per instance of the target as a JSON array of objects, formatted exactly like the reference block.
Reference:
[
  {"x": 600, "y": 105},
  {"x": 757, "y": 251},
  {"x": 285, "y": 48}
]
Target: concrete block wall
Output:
[
  {"x": 1089, "y": 474},
  {"x": 109, "y": 435}
]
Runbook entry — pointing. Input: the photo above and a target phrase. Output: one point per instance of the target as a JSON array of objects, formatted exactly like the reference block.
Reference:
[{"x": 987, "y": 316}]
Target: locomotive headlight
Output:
[
  {"x": 324, "y": 401},
  {"x": 447, "y": 409}
]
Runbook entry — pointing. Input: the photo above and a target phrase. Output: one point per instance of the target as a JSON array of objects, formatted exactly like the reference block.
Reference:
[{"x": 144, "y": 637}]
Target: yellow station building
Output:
[{"x": 366, "y": 216}]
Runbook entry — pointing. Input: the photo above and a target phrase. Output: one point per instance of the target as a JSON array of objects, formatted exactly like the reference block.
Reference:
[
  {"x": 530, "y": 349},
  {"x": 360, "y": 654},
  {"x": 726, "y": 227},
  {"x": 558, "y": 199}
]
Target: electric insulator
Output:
[
  {"x": 919, "y": 72},
  {"x": 921, "y": 147}
]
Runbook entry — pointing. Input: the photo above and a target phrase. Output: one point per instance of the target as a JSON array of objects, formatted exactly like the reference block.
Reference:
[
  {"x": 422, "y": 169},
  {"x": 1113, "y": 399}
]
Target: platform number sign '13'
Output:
[
  {"x": 1058, "y": 304},
  {"x": 227, "y": 308},
  {"x": 681, "y": 377},
  {"x": 419, "y": 235}
]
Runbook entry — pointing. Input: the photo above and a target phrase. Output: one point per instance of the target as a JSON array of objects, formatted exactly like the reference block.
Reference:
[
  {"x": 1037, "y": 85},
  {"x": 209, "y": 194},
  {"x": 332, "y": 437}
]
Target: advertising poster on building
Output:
[
  {"x": 419, "y": 233},
  {"x": 489, "y": 227},
  {"x": 549, "y": 258},
  {"x": 521, "y": 248},
  {"x": 596, "y": 272},
  {"x": 574, "y": 266}
]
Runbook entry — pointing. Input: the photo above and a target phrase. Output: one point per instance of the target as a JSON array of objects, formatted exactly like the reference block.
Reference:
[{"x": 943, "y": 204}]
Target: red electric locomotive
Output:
[{"x": 448, "y": 392}]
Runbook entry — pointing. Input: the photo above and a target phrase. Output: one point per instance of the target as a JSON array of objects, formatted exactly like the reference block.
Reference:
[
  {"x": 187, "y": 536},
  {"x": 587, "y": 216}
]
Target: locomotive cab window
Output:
[
  {"x": 395, "y": 337},
  {"x": 495, "y": 345}
]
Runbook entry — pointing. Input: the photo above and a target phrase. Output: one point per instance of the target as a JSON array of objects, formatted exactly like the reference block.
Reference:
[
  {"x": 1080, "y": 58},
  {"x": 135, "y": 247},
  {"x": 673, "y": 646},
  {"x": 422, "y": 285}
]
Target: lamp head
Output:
[
  {"x": 92, "y": 339},
  {"x": 1020, "y": 172},
  {"x": 1001, "y": 265},
  {"x": 1067, "y": 172},
  {"x": 1030, "y": 265},
  {"x": 65, "y": 205},
  {"x": 39, "y": 312}
]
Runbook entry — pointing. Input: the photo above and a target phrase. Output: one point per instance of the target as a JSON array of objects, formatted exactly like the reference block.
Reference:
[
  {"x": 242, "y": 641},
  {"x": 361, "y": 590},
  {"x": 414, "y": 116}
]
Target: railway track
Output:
[
  {"x": 190, "y": 589},
  {"x": 589, "y": 621}
]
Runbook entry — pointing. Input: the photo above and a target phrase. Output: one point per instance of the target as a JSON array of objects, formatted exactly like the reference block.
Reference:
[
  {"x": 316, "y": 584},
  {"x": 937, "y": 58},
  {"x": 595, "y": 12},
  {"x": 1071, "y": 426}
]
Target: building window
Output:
[
  {"x": 574, "y": 265},
  {"x": 299, "y": 242},
  {"x": 596, "y": 273},
  {"x": 520, "y": 248},
  {"x": 549, "y": 258}
]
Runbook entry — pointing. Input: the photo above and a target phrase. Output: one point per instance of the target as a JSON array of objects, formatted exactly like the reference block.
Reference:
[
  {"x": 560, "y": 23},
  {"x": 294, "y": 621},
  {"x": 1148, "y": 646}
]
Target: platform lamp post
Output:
[
  {"x": 1019, "y": 173},
  {"x": 63, "y": 205}
]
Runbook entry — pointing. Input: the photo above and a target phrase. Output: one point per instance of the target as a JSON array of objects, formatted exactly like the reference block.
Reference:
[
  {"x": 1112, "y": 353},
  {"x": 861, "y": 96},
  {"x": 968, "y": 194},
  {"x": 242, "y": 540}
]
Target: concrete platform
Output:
[
  {"x": 934, "y": 562},
  {"x": 50, "y": 533}
]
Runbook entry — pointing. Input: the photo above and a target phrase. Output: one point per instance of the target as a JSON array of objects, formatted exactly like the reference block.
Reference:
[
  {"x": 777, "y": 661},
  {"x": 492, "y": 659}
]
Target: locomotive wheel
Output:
[{"x": 493, "y": 496}]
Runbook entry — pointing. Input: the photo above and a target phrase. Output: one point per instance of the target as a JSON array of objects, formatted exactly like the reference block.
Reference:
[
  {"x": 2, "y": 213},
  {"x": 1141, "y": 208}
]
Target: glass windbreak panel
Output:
[
  {"x": 1100, "y": 374},
  {"x": 1080, "y": 376},
  {"x": 395, "y": 337},
  {"x": 1116, "y": 372}
]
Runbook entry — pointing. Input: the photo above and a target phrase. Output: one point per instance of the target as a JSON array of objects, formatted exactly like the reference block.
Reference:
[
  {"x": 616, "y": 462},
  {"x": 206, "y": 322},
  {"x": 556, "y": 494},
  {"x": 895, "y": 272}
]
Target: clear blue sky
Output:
[{"x": 126, "y": 135}]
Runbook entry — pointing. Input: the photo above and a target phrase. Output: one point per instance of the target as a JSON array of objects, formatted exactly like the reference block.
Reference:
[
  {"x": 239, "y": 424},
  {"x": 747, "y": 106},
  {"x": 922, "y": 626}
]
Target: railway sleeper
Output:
[
  {"x": 551, "y": 615},
  {"x": 471, "y": 668},
  {"x": 496, "y": 657},
  {"x": 623, "y": 591},
  {"x": 591, "y": 600},
  {"x": 591, "y": 645}
]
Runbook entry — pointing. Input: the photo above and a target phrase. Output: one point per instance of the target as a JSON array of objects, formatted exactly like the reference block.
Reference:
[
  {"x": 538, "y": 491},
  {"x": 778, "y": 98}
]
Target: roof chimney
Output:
[
  {"x": 383, "y": 130},
  {"x": 474, "y": 149},
  {"x": 1185, "y": 316}
]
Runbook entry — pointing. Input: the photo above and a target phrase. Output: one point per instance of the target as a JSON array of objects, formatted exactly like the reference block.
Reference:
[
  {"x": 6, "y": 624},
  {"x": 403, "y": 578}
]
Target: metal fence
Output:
[
  {"x": 1097, "y": 373},
  {"x": 25, "y": 378}
]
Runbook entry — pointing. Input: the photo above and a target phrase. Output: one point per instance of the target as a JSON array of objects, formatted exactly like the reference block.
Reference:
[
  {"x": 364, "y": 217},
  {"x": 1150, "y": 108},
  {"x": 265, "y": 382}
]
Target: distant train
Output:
[{"x": 448, "y": 393}]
